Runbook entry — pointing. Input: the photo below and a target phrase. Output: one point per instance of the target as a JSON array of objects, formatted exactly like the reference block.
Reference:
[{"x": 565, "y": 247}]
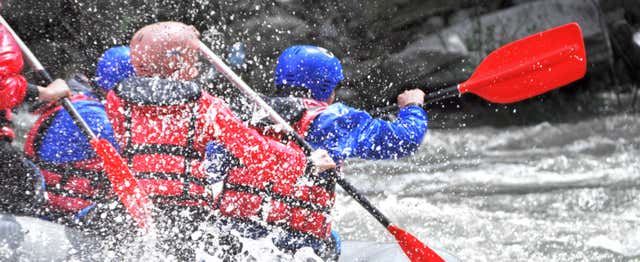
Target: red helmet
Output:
[{"x": 165, "y": 49}]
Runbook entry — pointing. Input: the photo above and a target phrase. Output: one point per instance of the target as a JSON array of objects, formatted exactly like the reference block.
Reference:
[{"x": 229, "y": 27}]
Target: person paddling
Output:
[
  {"x": 305, "y": 79},
  {"x": 74, "y": 175},
  {"x": 313, "y": 73},
  {"x": 17, "y": 175},
  {"x": 163, "y": 121}
]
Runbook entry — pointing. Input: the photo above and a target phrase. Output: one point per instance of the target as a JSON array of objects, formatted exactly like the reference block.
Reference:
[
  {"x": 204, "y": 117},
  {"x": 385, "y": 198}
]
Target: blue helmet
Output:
[
  {"x": 113, "y": 67},
  {"x": 310, "y": 67}
]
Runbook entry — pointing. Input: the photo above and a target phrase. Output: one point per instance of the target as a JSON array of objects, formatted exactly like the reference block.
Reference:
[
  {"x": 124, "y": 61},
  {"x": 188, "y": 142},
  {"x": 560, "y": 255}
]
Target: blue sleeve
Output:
[
  {"x": 64, "y": 142},
  {"x": 218, "y": 162},
  {"x": 346, "y": 132}
]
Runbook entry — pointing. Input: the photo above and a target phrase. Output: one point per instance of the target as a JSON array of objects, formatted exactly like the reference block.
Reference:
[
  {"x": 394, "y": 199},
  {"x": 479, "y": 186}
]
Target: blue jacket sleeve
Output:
[
  {"x": 218, "y": 162},
  {"x": 64, "y": 142},
  {"x": 346, "y": 132}
]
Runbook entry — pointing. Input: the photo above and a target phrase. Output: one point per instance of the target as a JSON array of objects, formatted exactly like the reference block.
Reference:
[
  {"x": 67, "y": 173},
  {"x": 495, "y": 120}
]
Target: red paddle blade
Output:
[
  {"x": 415, "y": 250},
  {"x": 124, "y": 183},
  {"x": 530, "y": 66}
]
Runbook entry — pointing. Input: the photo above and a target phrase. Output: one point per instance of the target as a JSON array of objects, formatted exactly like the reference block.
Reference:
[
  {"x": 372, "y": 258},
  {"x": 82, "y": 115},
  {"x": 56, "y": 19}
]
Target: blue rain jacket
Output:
[
  {"x": 64, "y": 142},
  {"x": 346, "y": 132}
]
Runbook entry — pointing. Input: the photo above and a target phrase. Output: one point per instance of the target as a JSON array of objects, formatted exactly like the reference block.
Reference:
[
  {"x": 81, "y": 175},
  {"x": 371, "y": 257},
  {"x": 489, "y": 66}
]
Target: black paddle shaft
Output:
[
  {"x": 444, "y": 93},
  {"x": 358, "y": 196},
  {"x": 350, "y": 189},
  {"x": 431, "y": 97},
  {"x": 66, "y": 103}
]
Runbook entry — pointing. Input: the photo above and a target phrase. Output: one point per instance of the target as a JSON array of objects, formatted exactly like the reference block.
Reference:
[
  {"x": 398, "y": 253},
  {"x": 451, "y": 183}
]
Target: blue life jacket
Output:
[
  {"x": 73, "y": 173},
  {"x": 64, "y": 141}
]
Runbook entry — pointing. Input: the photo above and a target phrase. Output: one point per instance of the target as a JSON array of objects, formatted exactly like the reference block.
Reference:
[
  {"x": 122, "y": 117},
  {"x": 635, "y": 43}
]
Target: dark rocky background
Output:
[{"x": 386, "y": 46}]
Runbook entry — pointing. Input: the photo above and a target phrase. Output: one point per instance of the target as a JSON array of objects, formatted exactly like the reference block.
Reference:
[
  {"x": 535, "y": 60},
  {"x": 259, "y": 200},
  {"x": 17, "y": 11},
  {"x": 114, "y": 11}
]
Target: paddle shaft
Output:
[
  {"x": 444, "y": 93},
  {"x": 274, "y": 116},
  {"x": 362, "y": 200},
  {"x": 430, "y": 97}
]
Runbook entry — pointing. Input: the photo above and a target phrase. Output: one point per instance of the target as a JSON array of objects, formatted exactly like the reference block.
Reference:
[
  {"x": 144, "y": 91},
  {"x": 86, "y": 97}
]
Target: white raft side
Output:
[
  {"x": 43, "y": 241},
  {"x": 370, "y": 251}
]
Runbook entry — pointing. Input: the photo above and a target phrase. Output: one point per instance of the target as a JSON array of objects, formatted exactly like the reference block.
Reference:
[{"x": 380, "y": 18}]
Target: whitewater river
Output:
[{"x": 547, "y": 192}]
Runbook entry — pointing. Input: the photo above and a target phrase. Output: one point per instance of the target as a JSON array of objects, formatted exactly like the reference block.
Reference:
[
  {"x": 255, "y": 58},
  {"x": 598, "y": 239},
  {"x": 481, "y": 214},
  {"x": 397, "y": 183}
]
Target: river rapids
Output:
[{"x": 546, "y": 192}]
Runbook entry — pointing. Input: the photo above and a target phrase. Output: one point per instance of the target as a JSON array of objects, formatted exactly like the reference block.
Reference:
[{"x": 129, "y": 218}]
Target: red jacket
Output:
[
  {"x": 13, "y": 86},
  {"x": 162, "y": 100}
]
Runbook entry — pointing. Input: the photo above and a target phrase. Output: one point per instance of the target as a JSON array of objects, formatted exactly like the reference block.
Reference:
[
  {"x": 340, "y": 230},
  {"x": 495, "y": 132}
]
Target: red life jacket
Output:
[
  {"x": 301, "y": 207},
  {"x": 13, "y": 86},
  {"x": 158, "y": 142},
  {"x": 70, "y": 186}
]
